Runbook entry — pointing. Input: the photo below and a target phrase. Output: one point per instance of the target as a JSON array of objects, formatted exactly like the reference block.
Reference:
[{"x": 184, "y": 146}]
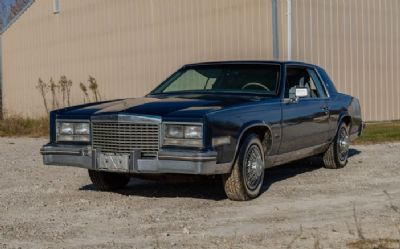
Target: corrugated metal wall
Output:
[
  {"x": 129, "y": 46},
  {"x": 358, "y": 42}
]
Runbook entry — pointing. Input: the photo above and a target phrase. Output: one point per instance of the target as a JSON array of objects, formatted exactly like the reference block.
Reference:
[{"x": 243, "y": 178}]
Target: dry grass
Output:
[
  {"x": 374, "y": 244},
  {"x": 381, "y": 243},
  {"x": 14, "y": 126}
]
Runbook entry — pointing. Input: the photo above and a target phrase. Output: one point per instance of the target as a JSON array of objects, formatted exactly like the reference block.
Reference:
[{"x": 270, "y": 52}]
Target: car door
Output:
[{"x": 305, "y": 121}]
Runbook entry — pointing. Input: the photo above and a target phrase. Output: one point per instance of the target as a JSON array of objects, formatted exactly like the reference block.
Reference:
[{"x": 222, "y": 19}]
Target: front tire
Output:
[
  {"x": 338, "y": 152},
  {"x": 247, "y": 175},
  {"x": 107, "y": 181}
]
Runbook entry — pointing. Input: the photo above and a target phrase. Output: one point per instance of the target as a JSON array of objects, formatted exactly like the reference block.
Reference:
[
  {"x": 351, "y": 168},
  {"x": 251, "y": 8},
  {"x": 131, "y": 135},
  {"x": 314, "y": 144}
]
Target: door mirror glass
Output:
[{"x": 302, "y": 92}]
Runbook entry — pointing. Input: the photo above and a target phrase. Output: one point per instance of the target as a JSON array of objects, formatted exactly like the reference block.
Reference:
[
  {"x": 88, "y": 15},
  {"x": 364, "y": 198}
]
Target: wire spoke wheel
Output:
[
  {"x": 343, "y": 144},
  {"x": 253, "y": 167},
  {"x": 247, "y": 175}
]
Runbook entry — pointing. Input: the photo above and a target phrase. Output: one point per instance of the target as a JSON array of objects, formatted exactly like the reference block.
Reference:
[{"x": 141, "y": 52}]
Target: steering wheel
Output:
[{"x": 256, "y": 84}]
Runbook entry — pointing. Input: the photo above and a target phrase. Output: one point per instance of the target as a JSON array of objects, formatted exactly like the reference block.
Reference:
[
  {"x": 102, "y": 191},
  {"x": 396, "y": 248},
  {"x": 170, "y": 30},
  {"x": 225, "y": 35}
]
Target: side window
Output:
[
  {"x": 318, "y": 83},
  {"x": 299, "y": 77}
]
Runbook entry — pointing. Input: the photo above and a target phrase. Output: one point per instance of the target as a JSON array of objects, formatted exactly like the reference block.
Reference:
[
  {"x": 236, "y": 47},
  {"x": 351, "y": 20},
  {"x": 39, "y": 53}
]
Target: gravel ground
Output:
[{"x": 303, "y": 206}]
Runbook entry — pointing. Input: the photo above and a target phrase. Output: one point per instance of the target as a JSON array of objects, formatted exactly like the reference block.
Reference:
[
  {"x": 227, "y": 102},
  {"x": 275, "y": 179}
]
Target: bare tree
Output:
[
  {"x": 85, "y": 92},
  {"x": 63, "y": 82},
  {"x": 43, "y": 89},
  {"x": 69, "y": 85},
  {"x": 53, "y": 89},
  {"x": 94, "y": 88}
]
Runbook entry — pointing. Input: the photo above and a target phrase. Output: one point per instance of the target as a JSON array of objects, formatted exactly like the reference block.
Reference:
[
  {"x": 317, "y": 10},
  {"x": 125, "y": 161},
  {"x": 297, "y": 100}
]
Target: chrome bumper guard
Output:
[{"x": 168, "y": 161}]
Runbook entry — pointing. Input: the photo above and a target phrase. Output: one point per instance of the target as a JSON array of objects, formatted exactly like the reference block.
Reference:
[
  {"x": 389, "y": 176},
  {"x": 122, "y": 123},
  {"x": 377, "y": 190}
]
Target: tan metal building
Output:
[{"x": 130, "y": 46}]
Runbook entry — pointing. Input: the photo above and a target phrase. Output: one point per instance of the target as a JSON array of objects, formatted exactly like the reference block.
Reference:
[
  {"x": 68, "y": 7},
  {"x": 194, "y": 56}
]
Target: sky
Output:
[
  {"x": 8, "y": 3},
  {"x": 5, "y": 13}
]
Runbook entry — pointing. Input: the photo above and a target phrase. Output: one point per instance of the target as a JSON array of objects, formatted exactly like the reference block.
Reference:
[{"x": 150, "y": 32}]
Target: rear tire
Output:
[
  {"x": 106, "y": 181},
  {"x": 337, "y": 154},
  {"x": 247, "y": 175}
]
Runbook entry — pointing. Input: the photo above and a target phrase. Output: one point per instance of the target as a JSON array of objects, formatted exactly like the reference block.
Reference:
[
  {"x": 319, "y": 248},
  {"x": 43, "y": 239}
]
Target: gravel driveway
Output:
[{"x": 303, "y": 206}]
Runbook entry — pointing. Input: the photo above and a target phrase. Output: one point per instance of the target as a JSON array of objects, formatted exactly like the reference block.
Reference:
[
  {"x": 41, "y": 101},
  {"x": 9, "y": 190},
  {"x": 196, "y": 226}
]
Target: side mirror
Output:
[{"x": 301, "y": 92}]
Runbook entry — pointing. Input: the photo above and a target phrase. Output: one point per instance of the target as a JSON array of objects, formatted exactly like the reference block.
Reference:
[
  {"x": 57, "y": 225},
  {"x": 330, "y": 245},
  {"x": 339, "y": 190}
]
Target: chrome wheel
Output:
[
  {"x": 343, "y": 144},
  {"x": 253, "y": 167}
]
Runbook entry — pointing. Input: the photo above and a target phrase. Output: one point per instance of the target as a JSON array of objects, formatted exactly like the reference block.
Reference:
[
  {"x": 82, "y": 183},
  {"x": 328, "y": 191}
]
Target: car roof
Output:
[{"x": 247, "y": 62}]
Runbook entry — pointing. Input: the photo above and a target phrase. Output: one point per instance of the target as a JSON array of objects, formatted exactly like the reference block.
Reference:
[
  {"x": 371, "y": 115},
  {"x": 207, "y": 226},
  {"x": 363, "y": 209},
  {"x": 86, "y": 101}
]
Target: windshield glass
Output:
[{"x": 252, "y": 78}]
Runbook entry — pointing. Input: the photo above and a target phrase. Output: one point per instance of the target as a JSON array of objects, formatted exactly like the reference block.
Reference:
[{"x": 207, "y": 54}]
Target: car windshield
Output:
[{"x": 248, "y": 78}]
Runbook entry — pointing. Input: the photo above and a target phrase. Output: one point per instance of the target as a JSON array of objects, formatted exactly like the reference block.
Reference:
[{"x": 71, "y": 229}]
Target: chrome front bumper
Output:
[{"x": 181, "y": 162}]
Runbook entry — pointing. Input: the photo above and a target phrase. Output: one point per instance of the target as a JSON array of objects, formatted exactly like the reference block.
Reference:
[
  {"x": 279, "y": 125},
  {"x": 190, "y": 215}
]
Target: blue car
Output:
[{"x": 232, "y": 119}]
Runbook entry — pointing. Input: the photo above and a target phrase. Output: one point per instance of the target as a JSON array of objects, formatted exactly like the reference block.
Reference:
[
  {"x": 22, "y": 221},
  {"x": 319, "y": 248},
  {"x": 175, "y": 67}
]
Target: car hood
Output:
[{"x": 193, "y": 105}]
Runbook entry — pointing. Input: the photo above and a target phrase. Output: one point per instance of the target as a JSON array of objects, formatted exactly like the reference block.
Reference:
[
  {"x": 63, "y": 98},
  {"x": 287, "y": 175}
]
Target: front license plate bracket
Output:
[{"x": 115, "y": 162}]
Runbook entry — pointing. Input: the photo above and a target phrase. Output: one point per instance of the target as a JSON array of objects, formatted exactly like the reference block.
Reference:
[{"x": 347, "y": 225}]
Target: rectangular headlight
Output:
[
  {"x": 66, "y": 128},
  {"x": 193, "y": 131},
  {"x": 188, "y": 135},
  {"x": 73, "y": 131},
  {"x": 82, "y": 129},
  {"x": 174, "y": 131}
]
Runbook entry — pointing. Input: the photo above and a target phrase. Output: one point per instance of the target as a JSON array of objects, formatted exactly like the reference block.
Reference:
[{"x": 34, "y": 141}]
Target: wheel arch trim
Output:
[{"x": 244, "y": 129}]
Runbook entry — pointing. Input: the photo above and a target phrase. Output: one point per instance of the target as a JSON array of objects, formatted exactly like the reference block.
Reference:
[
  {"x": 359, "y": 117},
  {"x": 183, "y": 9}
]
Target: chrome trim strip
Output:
[
  {"x": 188, "y": 158},
  {"x": 73, "y": 120},
  {"x": 244, "y": 131},
  {"x": 295, "y": 155},
  {"x": 138, "y": 119}
]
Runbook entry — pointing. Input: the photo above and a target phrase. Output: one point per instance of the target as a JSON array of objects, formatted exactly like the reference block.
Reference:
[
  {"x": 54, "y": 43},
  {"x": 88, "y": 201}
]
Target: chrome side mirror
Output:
[{"x": 301, "y": 92}]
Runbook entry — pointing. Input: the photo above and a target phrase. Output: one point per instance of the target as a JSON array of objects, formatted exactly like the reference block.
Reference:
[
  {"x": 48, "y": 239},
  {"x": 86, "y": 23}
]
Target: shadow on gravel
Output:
[
  {"x": 172, "y": 186},
  {"x": 285, "y": 171},
  {"x": 198, "y": 188},
  {"x": 292, "y": 169},
  {"x": 353, "y": 152}
]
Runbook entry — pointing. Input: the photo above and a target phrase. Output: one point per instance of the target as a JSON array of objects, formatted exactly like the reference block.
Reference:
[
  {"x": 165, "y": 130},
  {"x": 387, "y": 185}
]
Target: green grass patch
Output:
[
  {"x": 15, "y": 126},
  {"x": 380, "y": 133}
]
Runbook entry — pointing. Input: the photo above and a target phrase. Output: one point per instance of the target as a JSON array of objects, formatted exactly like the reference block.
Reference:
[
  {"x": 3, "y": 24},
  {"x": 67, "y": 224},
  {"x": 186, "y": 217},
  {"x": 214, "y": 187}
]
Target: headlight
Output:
[
  {"x": 174, "y": 131},
  {"x": 73, "y": 131},
  {"x": 183, "y": 135},
  {"x": 193, "y": 131}
]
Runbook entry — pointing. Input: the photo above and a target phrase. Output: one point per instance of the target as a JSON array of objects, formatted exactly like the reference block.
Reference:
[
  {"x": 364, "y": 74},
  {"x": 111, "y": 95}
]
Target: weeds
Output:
[
  {"x": 357, "y": 222},
  {"x": 43, "y": 89},
  {"x": 381, "y": 243},
  {"x": 94, "y": 88},
  {"x": 53, "y": 89},
  {"x": 62, "y": 90},
  {"x": 298, "y": 235},
  {"x": 15, "y": 125},
  {"x": 85, "y": 92}
]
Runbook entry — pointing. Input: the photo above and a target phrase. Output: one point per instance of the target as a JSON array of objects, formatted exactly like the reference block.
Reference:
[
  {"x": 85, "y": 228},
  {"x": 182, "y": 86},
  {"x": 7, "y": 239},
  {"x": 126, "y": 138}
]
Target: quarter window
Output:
[{"x": 318, "y": 83}]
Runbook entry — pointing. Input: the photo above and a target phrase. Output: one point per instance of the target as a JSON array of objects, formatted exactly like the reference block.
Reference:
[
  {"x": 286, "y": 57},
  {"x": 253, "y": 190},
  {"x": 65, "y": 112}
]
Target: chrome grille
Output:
[{"x": 125, "y": 137}]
